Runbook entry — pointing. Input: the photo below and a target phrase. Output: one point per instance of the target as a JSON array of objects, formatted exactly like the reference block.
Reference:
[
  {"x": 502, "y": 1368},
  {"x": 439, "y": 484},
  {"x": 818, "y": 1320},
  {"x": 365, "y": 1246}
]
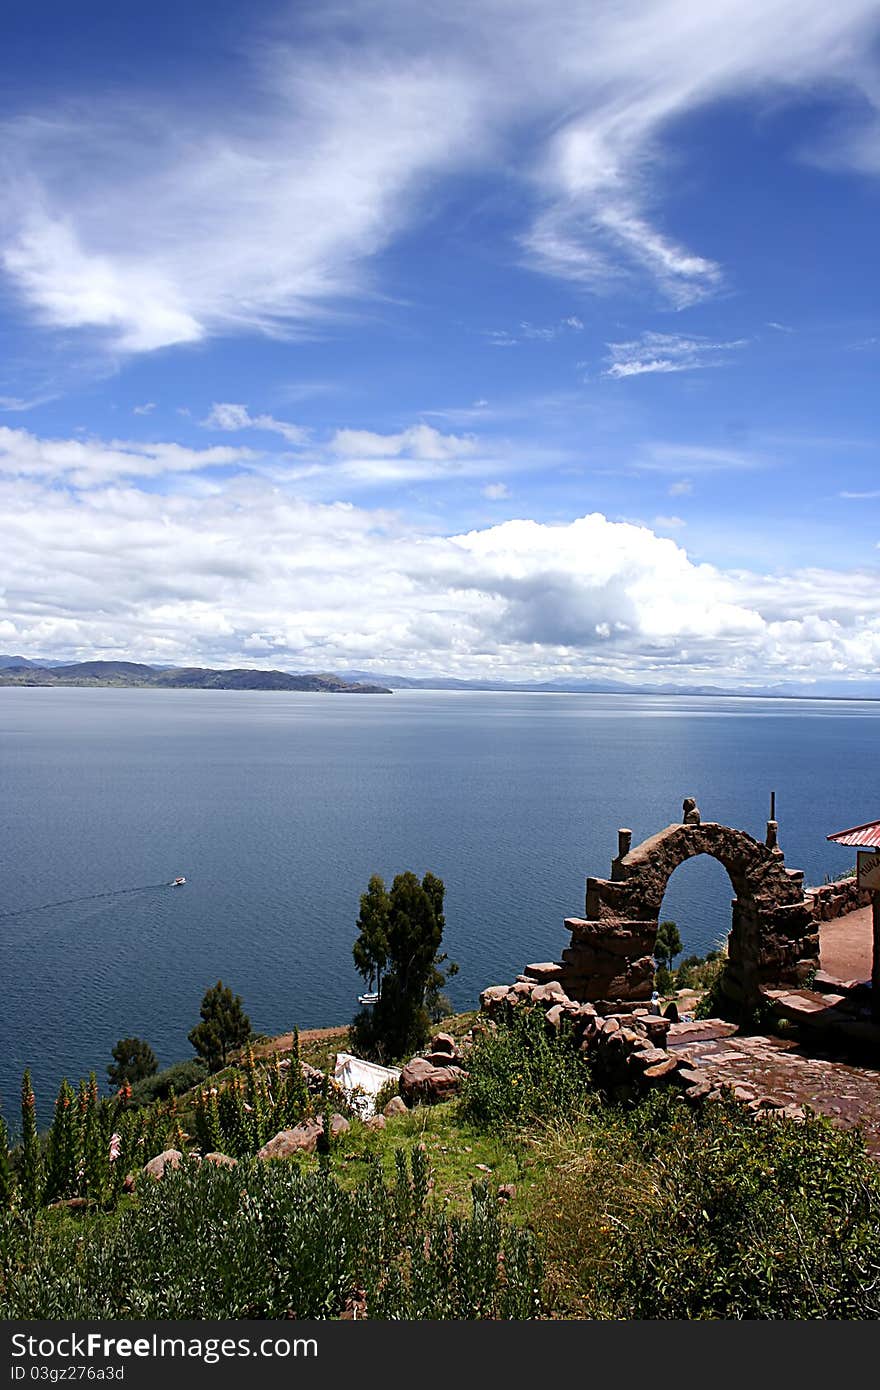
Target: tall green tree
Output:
[
  {"x": 224, "y": 1026},
  {"x": 370, "y": 950},
  {"x": 668, "y": 944},
  {"x": 403, "y": 929},
  {"x": 133, "y": 1059}
]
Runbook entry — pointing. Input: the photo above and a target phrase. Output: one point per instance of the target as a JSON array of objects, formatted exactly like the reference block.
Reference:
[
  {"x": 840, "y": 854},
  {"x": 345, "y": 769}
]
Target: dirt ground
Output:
[{"x": 845, "y": 946}]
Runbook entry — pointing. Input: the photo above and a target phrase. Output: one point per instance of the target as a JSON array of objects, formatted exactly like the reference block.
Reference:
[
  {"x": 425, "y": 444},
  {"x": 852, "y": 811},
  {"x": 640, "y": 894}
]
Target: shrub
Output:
[
  {"x": 667, "y": 1212},
  {"x": 180, "y": 1077},
  {"x": 266, "y": 1240},
  {"x": 522, "y": 1071}
]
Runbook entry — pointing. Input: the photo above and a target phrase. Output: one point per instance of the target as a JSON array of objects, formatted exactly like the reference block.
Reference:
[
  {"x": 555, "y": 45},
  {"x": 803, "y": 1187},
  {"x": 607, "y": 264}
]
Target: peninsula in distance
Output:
[{"x": 135, "y": 673}]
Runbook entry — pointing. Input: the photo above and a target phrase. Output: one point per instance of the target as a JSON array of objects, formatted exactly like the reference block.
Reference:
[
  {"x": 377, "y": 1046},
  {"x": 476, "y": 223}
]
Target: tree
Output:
[
  {"x": 224, "y": 1026},
  {"x": 133, "y": 1059},
  {"x": 668, "y": 944},
  {"x": 400, "y": 935},
  {"x": 370, "y": 951}
]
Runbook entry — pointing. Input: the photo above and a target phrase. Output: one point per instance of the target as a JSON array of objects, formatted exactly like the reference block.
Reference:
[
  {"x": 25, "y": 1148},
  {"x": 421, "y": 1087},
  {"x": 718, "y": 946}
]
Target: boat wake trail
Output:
[{"x": 85, "y": 898}]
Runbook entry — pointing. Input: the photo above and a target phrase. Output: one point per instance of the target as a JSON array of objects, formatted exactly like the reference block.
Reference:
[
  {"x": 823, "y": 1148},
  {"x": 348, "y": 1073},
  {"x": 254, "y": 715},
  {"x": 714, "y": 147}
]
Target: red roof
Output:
[{"x": 865, "y": 836}]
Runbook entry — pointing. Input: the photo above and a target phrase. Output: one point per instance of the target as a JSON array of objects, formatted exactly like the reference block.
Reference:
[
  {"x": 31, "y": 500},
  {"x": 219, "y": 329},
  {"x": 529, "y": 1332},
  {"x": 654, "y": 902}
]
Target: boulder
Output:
[
  {"x": 420, "y": 1081},
  {"x": 544, "y": 971},
  {"x": 554, "y": 1017},
  {"x": 221, "y": 1160},
  {"x": 494, "y": 995},
  {"x": 303, "y": 1138},
  {"x": 377, "y": 1121},
  {"x": 395, "y": 1106},
  {"x": 338, "y": 1125},
  {"x": 169, "y": 1158},
  {"x": 445, "y": 1043}
]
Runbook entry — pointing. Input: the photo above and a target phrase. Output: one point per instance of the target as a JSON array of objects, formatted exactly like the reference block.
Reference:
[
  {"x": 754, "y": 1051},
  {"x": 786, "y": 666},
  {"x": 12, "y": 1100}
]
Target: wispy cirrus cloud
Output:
[
  {"x": 190, "y": 220},
  {"x": 533, "y": 332},
  {"x": 664, "y": 457},
  {"x": 667, "y": 352}
]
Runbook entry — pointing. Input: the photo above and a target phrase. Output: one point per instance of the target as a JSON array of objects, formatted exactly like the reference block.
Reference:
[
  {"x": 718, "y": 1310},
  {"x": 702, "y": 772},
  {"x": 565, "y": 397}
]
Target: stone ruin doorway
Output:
[{"x": 773, "y": 937}]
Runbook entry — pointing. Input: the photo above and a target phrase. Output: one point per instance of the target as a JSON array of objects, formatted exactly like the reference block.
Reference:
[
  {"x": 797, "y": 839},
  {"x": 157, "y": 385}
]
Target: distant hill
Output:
[
  {"x": 135, "y": 674},
  {"x": 16, "y": 663}
]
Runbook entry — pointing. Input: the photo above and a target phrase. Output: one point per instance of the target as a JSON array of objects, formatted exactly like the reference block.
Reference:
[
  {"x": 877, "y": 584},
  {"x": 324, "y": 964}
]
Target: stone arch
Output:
[{"x": 773, "y": 937}]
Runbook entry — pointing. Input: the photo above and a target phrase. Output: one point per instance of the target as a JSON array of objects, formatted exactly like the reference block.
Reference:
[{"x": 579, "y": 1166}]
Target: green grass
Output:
[{"x": 647, "y": 1210}]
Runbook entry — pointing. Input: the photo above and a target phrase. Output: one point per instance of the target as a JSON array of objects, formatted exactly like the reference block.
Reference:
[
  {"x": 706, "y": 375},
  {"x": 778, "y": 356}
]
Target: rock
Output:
[
  {"x": 554, "y": 1017},
  {"x": 691, "y": 1076},
  {"x": 338, "y": 1125},
  {"x": 303, "y": 1138},
  {"x": 656, "y": 1027},
  {"x": 649, "y": 1057},
  {"x": 169, "y": 1158},
  {"x": 420, "y": 1081},
  {"x": 744, "y": 1093},
  {"x": 378, "y": 1121},
  {"x": 128, "y": 1184},
  {"x": 701, "y": 1090},
  {"x": 395, "y": 1106},
  {"x": 659, "y": 1070},
  {"x": 314, "y": 1079},
  {"x": 441, "y": 1059},
  {"x": 445, "y": 1043},
  {"x": 221, "y": 1160},
  {"x": 507, "y": 1191},
  {"x": 523, "y": 989},
  {"x": 551, "y": 993},
  {"x": 545, "y": 971},
  {"x": 494, "y": 995}
]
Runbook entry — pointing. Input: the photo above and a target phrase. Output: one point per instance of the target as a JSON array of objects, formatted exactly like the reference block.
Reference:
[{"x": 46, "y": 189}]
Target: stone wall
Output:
[
  {"x": 627, "y": 1050},
  {"x": 835, "y": 899}
]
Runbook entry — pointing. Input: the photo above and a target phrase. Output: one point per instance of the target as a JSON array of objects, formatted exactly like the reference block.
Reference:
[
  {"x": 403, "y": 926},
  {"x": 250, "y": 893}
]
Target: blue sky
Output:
[{"x": 504, "y": 339}]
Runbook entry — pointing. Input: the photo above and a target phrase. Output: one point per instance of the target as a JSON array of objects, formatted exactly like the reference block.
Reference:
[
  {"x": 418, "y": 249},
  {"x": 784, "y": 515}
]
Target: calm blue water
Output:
[{"x": 278, "y": 807}]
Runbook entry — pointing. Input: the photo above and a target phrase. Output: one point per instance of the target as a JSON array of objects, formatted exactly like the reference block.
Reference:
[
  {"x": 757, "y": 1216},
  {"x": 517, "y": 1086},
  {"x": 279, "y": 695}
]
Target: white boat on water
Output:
[
  {"x": 178, "y": 882},
  {"x": 367, "y": 999}
]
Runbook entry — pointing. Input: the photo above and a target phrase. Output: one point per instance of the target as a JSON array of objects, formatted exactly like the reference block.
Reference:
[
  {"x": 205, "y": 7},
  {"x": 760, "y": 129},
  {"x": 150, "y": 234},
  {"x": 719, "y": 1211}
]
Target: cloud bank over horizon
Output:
[{"x": 242, "y": 569}]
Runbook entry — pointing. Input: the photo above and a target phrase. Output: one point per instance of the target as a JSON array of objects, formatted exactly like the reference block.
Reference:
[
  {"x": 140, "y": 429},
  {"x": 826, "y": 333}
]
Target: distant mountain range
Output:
[
  {"x": 789, "y": 690},
  {"x": 16, "y": 670},
  {"x": 20, "y": 670}
]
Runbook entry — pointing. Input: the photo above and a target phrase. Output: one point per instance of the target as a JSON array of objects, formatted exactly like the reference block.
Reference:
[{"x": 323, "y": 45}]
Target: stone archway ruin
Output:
[{"x": 774, "y": 936}]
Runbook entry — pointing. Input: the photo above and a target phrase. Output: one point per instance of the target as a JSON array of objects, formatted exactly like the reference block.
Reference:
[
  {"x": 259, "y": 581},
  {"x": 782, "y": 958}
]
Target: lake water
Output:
[{"x": 278, "y": 807}]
